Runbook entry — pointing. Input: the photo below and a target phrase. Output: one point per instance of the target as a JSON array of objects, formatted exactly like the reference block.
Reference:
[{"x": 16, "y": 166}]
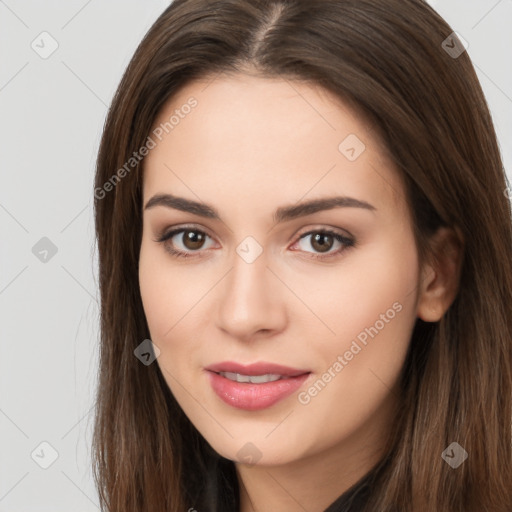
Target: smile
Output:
[
  {"x": 255, "y": 386},
  {"x": 254, "y": 379}
]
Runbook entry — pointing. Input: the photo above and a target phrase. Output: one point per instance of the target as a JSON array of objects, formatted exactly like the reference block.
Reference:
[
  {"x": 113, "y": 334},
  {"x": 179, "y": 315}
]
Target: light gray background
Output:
[{"x": 51, "y": 116}]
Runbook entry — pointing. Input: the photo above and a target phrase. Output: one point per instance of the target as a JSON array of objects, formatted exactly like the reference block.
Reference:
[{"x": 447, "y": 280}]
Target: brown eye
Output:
[
  {"x": 184, "y": 242},
  {"x": 322, "y": 242},
  {"x": 193, "y": 240}
]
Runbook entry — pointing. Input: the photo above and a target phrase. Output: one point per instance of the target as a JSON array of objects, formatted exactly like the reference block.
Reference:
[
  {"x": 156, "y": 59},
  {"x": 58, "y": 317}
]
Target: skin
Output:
[{"x": 252, "y": 145}]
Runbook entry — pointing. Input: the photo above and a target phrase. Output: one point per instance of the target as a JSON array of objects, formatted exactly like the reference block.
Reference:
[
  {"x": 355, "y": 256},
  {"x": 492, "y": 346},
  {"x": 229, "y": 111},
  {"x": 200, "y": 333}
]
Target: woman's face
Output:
[{"x": 299, "y": 253}]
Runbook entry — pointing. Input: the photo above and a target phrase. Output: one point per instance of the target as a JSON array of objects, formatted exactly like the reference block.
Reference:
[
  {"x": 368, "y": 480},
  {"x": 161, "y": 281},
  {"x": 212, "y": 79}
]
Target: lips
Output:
[{"x": 255, "y": 386}]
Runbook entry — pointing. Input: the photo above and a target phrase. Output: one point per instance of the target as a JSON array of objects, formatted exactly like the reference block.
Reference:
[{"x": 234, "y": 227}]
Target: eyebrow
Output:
[{"x": 282, "y": 214}]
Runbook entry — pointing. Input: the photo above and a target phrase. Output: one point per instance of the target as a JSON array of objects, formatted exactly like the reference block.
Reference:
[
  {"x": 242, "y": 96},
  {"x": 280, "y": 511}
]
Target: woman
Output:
[{"x": 305, "y": 273}]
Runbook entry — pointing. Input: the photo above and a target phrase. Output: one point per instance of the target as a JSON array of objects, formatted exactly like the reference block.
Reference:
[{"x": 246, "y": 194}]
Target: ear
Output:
[{"x": 440, "y": 276}]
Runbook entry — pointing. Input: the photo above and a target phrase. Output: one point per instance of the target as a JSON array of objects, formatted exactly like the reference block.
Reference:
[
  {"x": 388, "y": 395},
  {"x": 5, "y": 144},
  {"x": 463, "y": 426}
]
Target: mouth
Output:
[
  {"x": 253, "y": 379},
  {"x": 255, "y": 386}
]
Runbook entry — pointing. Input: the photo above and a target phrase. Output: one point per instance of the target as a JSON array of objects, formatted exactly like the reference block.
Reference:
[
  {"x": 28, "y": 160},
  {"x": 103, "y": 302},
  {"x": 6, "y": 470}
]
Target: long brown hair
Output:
[{"x": 386, "y": 58}]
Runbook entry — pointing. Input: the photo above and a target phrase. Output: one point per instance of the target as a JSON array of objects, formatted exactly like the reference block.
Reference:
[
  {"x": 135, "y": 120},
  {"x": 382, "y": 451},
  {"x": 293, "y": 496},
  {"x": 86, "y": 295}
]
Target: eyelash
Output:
[{"x": 345, "y": 241}]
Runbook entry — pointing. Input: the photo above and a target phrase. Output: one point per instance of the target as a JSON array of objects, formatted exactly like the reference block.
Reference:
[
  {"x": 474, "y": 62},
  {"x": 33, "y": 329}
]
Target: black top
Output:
[{"x": 356, "y": 497}]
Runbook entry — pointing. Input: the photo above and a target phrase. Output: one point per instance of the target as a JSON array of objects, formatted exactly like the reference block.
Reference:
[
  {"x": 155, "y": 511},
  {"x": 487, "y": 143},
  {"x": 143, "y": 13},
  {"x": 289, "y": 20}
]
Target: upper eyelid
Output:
[
  {"x": 164, "y": 233},
  {"x": 177, "y": 229}
]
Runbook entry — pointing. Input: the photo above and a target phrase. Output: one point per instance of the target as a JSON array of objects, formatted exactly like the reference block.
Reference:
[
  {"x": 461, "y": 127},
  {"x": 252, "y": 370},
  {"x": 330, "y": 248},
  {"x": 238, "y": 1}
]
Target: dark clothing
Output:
[{"x": 356, "y": 497}]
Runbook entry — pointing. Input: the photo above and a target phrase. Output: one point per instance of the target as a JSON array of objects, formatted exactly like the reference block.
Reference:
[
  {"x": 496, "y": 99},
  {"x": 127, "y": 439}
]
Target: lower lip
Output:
[{"x": 253, "y": 397}]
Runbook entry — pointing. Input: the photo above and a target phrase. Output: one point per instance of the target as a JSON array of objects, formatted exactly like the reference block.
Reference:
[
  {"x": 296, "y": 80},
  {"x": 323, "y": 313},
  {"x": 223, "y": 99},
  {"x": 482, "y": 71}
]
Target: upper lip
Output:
[{"x": 260, "y": 368}]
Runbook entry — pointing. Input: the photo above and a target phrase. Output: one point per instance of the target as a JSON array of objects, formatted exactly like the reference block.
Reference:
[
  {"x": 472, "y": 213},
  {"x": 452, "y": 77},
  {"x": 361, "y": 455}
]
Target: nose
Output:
[{"x": 252, "y": 300}]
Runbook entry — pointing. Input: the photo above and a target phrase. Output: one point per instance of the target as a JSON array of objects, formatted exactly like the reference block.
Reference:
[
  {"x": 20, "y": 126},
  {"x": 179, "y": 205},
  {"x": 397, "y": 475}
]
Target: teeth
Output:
[{"x": 253, "y": 379}]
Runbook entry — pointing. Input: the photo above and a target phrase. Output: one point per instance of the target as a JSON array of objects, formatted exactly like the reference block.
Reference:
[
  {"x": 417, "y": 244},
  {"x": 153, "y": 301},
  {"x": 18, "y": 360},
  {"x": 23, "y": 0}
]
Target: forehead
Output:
[{"x": 266, "y": 137}]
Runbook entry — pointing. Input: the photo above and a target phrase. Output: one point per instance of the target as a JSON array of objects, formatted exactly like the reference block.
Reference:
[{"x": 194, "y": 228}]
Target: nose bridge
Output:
[
  {"x": 247, "y": 285},
  {"x": 249, "y": 302}
]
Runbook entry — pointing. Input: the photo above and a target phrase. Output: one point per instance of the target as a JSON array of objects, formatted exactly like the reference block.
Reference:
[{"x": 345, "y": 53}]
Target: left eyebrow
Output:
[
  {"x": 282, "y": 214},
  {"x": 286, "y": 213}
]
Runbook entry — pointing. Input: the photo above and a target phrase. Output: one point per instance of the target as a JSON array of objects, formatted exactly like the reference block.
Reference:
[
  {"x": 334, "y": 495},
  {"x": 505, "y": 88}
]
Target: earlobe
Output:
[{"x": 439, "y": 280}]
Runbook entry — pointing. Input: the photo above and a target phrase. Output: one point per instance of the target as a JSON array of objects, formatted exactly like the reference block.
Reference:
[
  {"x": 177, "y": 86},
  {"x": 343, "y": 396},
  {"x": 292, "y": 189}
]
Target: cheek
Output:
[
  {"x": 371, "y": 294},
  {"x": 173, "y": 298},
  {"x": 166, "y": 293},
  {"x": 372, "y": 310},
  {"x": 152, "y": 290},
  {"x": 374, "y": 315}
]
